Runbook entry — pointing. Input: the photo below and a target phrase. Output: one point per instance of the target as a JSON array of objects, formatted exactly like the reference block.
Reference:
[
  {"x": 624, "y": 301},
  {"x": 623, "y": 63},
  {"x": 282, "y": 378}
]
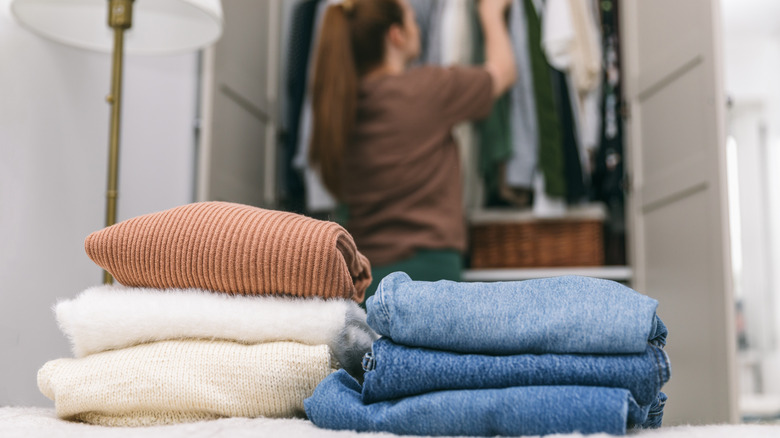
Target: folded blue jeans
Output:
[
  {"x": 568, "y": 314},
  {"x": 524, "y": 410},
  {"x": 655, "y": 414},
  {"x": 395, "y": 371}
]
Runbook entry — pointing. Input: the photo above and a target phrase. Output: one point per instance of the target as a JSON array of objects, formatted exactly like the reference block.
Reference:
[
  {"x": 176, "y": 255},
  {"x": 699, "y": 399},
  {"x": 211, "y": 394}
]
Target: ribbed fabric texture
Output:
[
  {"x": 182, "y": 381},
  {"x": 235, "y": 249}
]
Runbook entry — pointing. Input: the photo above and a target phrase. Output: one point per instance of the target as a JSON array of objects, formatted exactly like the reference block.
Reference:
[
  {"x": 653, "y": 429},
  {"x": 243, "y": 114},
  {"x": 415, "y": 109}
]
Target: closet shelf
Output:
[
  {"x": 617, "y": 273},
  {"x": 592, "y": 211}
]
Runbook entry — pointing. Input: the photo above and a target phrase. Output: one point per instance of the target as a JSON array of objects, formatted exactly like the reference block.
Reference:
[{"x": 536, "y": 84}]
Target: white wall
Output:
[
  {"x": 53, "y": 159},
  {"x": 752, "y": 69}
]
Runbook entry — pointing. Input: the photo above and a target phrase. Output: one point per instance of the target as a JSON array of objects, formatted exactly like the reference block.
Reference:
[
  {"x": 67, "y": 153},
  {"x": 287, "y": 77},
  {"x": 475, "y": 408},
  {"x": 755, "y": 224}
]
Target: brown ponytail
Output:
[{"x": 352, "y": 43}]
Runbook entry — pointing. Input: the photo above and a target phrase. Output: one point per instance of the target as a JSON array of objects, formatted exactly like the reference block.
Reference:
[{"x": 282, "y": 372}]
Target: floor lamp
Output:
[{"x": 162, "y": 27}]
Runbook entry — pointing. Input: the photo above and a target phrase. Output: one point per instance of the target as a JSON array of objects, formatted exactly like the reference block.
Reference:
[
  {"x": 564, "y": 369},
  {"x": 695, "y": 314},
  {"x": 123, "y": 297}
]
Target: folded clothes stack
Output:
[
  {"x": 558, "y": 355},
  {"x": 222, "y": 310}
]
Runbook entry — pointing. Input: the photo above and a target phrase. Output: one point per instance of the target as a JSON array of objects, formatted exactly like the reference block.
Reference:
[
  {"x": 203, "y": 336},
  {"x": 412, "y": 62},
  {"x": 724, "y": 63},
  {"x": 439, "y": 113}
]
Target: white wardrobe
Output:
[{"x": 677, "y": 204}]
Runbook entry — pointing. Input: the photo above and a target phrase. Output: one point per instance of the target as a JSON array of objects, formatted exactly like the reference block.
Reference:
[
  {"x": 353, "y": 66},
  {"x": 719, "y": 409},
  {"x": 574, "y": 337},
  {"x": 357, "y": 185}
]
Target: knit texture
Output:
[
  {"x": 112, "y": 317},
  {"x": 181, "y": 381},
  {"x": 235, "y": 249}
]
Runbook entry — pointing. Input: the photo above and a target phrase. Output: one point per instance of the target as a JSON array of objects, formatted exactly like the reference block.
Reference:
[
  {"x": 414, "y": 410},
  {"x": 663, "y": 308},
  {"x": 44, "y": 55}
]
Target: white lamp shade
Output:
[{"x": 159, "y": 26}]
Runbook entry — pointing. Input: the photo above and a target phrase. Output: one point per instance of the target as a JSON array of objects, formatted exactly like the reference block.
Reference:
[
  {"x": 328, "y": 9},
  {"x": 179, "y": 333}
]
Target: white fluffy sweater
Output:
[
  {"x": 181, "y": 381},
  {"x": 112, "y": 317}
]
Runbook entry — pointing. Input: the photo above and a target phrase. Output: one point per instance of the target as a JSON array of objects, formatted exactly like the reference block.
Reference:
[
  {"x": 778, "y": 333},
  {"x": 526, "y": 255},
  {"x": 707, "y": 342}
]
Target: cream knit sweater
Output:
[{"x": 180, "y": 381}]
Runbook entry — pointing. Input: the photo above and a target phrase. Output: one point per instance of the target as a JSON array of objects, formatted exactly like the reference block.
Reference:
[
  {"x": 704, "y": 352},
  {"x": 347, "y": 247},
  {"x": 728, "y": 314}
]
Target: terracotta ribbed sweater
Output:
[{"x": 235, "y": 249}]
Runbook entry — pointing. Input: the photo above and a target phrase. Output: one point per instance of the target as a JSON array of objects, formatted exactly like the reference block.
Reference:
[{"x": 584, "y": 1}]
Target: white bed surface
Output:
[{"x": 42, "y": 423}]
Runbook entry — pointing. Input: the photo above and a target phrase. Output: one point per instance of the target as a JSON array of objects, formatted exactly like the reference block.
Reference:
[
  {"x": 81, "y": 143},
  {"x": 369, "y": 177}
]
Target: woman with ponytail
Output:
[{"x": 382, "y": 132}]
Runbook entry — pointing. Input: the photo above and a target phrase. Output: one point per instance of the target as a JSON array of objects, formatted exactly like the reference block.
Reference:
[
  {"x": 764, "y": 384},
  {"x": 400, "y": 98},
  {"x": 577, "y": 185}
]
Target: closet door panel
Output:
[
  {"x": 239, "y": 108},
  {"x": 672, "y": 162},
  {"x": 239, "y": 131},
  {"x": 674, "y": 27},
  {"x": 665, "y": 130},
  {"x": 243, "y": 53},
  {"x": 677, "y": 202},
  {"x": 680, "y": 276}
]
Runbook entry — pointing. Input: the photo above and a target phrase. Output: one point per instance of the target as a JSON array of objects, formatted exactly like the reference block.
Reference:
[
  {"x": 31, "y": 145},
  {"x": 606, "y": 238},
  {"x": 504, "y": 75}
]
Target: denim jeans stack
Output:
[{"x": 558, "y": 355}]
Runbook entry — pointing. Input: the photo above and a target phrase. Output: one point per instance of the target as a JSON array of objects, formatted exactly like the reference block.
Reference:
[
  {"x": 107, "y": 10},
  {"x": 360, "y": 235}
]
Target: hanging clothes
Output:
[
  {"x": 524, "y": 121},
  {"x": 424, "y": 13},
  {"x": 587, "y": 26},
  {"x": 575, "y": 184},
  {"x": 459, "y": 32},
  {"x": 550, "y": 142},
  {"x": 434, "y": 32},
  {"x": 450, "y": 41},
  {"x": 495, "y": 138},
  {"x": 546, "y": 206},
  {"x": 566, "y": 55},
  {"x": 494, "y": 133},
  {"x": 609, "y": 173},
  {"x": 296, "y": 73},
  {"x": 450, "y": 47},
  {"x": 570, "y": 38},
  {"x": 571, "y": 41}
]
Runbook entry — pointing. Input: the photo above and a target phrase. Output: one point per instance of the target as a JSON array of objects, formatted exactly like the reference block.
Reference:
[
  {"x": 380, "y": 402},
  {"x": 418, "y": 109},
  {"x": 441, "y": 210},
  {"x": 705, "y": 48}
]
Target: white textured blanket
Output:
[
  {"x": 112, "y": 317},
  {"x": 42, "y": 423}
]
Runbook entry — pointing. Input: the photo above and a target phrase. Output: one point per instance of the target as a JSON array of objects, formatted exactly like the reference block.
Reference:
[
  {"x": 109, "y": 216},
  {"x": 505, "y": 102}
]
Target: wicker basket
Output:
[{"x": 520, "y": 240}]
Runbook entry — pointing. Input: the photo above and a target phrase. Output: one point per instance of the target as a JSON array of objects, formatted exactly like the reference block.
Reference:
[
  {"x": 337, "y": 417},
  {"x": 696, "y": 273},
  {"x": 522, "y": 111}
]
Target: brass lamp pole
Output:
[
  {"x": 120, "y": 18},
  {"x": 170, "y": 26}
]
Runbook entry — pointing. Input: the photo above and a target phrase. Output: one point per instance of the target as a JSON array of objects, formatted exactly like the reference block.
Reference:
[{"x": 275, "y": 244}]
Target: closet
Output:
[{"x": 676, "y": 205}]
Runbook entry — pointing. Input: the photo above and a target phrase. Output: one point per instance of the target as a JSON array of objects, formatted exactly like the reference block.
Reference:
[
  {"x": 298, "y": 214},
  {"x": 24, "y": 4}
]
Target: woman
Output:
[{"x": 382, "y": 132}]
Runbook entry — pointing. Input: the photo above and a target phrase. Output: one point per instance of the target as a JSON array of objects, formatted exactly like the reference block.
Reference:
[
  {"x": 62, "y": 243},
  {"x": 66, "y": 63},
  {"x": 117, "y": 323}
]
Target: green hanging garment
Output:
[
  {"x": 551, "y": 162},
  {"x": 495, "y": 132}
]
